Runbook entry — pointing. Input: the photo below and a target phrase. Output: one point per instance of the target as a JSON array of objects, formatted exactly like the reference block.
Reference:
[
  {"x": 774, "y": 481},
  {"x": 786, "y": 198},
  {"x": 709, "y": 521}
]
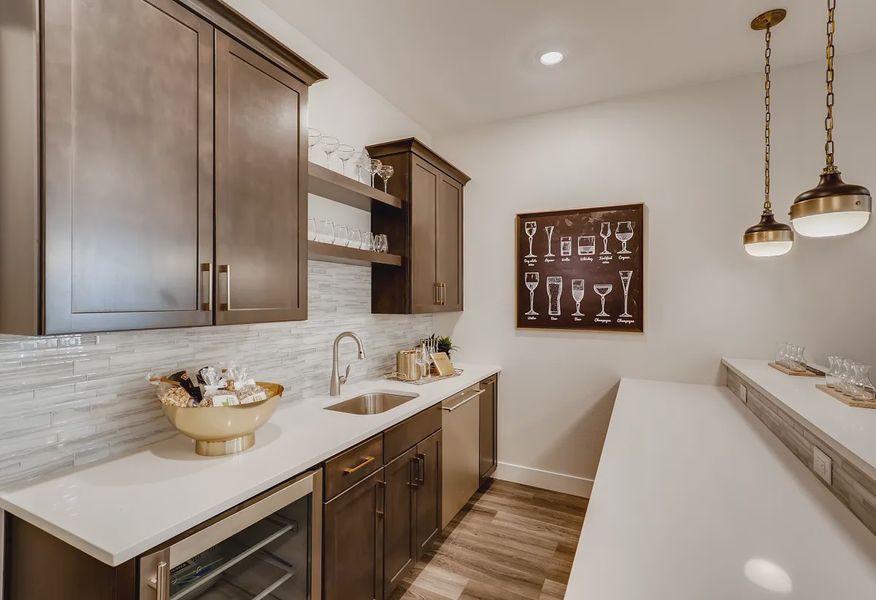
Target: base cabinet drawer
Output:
[{"x": 352, "y": 466}]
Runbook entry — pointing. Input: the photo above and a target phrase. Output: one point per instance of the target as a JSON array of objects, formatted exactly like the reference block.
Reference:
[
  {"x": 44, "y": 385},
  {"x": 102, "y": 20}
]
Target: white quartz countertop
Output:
[
  {"x": 852, "y": 430},
  {"x": 116, "y": 510},
  {"x": 695, "y": 498}
]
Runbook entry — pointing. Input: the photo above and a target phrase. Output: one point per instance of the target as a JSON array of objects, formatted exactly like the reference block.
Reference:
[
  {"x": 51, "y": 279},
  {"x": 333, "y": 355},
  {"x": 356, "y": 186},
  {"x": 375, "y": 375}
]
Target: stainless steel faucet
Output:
[{"x": 337, "y": 378}]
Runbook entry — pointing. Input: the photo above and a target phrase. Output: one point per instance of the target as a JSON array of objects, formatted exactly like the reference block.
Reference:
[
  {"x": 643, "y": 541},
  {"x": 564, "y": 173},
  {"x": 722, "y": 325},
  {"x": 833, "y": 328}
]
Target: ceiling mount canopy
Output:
[
  {"x": 768, "y": 237},
  {"x": 833, "y": 207}
]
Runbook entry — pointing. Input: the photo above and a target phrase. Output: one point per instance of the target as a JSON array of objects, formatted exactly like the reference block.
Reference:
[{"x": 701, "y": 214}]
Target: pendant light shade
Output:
[
  {"x": 833, "y": 207},
  {"x": 768, "y": 237}
]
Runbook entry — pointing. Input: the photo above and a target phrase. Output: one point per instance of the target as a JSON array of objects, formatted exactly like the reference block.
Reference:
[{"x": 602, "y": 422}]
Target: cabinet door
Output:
[
  {"x": 353, "y": 542},
  {"x": 261, "y": 189},
  {"x": 424, "y": 197},
  {"x": 128, "y": 173},
  {"x": 428, "y": 491},
  {"x": 400, "y": 548},
  {"x": 448, "y": 243},
  {"x": 488, "y": 406}
]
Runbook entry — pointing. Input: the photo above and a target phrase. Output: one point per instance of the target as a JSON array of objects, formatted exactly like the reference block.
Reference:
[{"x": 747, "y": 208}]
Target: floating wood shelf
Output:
[
  {"x": 340, "y": 188},
  {"x": 350, "y": 256}
]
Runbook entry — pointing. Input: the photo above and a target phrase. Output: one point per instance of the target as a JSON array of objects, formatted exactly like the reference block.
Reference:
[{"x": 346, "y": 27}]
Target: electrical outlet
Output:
[{"x": 821, "y": 464}]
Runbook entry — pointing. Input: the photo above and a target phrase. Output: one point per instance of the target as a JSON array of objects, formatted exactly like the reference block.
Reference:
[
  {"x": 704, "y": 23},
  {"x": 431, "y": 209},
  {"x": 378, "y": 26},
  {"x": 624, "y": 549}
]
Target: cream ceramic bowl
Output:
[{"x": 220, "y": 430}]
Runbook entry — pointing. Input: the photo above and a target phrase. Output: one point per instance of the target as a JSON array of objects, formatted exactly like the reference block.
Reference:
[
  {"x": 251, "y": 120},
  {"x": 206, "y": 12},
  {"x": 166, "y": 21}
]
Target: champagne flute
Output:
[
  {"x": 605, "y": 233},
  {"x": 625, "y": 277},
  {"x": 624, "y": 233},
  {"x": 577, "y": 296},
  {"x": 385, "y": 173},
  {"x": 345, "y": 152},
  {"x": 531, "y": 280},
  {"x": 530, "y": 227},
  {"x": 549, "y": 230},
  {"x": 329, "y": 146},
  {"x": 603, "y": 289}
]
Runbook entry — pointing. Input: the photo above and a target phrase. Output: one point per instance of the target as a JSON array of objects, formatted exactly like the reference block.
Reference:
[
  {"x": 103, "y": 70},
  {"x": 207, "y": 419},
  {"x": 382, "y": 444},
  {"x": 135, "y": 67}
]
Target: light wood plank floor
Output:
[{"x": 511, "y": 542}]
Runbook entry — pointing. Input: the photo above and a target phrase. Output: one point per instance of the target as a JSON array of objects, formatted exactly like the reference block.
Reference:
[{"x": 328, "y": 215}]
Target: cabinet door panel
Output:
[
  {"x": 428, "y": 492},
  {"x": 448, "y": 248},
  {"x": 353, "y": 542},
  {"x": 399, "y": 544},
  {"x": 424, "y": 190},
  {"x": 488, "y": 401},
  {"x": 128, "y": 129},
  {"x": 261, "y": 189}
]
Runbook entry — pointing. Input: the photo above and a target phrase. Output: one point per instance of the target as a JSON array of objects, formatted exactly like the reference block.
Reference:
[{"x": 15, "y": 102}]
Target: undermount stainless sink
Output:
[{"x": 371, "y": 404}]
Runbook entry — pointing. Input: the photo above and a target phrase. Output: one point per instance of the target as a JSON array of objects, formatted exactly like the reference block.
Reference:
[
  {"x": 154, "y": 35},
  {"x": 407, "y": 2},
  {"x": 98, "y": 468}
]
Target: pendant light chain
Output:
[
  {"x": 767, "y": 205},
  {"x": 828, "y": 120}
]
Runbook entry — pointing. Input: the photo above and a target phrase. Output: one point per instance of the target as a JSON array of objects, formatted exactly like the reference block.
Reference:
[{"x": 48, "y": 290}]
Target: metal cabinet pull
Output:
[
  {"x": 457, "y": 405},
  {"x": 366, "y": 460},
  {"x": 162, "y": 582},
  {"x": 415, "y": 472},
  {"x": 381, "y": 494},
  {"x": 207, "y": 268},
  {"x": 436, "y": 293},
  {"x": 421, "y": 469},
  {"x": 226, "y": 270},
  {"x": 442, "y": 294}
]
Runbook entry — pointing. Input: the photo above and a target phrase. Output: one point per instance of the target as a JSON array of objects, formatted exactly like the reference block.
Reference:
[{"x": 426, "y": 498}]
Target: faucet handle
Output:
[{"x": 344, "y": 377}]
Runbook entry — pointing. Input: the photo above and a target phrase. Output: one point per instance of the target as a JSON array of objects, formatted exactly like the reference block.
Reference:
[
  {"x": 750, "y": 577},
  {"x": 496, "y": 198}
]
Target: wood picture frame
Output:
[{"x": 581, "y": 269}]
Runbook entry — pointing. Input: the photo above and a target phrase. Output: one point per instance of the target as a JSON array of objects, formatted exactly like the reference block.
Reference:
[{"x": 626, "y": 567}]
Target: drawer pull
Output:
[
  {"x": 458, "y": 404},
  {"x": 366, "y": 460},
  {"x": 421, "y": 469},
  {"x": 415, "y": 471}
]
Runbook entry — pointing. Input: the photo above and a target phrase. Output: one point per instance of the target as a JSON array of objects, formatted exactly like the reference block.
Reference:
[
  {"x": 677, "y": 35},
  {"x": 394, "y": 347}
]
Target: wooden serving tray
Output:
[
  {"x": 846, "y": 399},
  {"x": 788, "y": 371}
]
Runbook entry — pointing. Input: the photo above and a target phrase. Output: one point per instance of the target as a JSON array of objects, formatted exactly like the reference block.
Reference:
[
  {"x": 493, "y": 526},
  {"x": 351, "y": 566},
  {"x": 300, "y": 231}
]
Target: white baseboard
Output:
[{"x": 548, "y": 480}]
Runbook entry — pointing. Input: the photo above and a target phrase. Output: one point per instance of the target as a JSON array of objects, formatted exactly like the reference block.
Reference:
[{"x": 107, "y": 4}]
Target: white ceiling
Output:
[{"x": 452, "y": 64}]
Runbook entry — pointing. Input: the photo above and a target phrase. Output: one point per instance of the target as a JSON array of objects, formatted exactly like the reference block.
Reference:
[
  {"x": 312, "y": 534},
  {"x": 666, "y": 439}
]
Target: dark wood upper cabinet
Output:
[
  {"x": 261, "y": 189},
  {"x": 428, "y": 233},
  {"x": 488, "y": 427},
  {"x": 353, "y": 542},
  {"x": 116, "y": 215}
]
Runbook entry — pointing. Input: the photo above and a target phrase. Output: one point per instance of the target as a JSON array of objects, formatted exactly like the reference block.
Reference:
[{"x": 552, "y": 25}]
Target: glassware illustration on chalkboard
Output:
[
  {"x": 554, "y": 291},
  {"x": 531, "y": 280},
  {"x": 549, "y": 230},
  {"x": 624, "y": 233},
  {"x": 566, "y": 245},
  {"x": 605, "y": 233},
  {"x": 603, "y": 289},
  {"x": 586, "y": 245},
  {"x": 577, "y": 296},
  {"x": 530, "y": 228},
  {"x": 625, "y": 277}
]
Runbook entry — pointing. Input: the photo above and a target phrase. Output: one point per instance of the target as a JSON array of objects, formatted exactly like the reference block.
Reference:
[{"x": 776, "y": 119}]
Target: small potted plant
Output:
[{"x": 445, "y": 344}]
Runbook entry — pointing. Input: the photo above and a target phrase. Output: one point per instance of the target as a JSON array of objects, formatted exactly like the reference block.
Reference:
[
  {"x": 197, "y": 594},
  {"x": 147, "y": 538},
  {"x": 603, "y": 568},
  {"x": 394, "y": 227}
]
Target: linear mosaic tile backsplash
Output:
[{"x": 72, "y": 400}]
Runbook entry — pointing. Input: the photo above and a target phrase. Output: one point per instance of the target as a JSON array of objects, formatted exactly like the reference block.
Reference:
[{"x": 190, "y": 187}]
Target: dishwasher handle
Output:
[{"x": 461, "y": 402}]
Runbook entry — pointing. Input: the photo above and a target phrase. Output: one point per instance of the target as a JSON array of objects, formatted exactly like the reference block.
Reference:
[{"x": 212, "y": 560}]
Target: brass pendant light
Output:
[
  {"x": 768, "y": 237},
  {"x": 833, "y": 207}
]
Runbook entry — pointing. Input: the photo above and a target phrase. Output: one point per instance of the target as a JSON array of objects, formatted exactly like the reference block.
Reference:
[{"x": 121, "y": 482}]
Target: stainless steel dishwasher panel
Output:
[{"x": 460, "y": 450}]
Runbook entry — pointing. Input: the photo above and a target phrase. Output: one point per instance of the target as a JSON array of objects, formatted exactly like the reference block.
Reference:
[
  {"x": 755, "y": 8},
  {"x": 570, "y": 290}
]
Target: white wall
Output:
[{"x": 694, "y": 156}]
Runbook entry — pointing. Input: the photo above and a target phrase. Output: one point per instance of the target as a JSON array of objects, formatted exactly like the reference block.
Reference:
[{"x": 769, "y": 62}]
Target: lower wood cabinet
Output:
[
  {"x": 428, "y": 492},
  {"x": 353, "y": 531},
  {"x": 400, "y": 543}
]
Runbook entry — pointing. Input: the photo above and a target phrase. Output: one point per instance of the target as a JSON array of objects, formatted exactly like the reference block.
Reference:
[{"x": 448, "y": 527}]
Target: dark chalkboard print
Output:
[{"x": 581, "y": 269}]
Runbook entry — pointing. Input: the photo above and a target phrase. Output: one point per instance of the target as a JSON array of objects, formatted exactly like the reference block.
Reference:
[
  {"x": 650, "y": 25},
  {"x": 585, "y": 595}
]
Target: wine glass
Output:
[
  {"x": 624, "y": 233},
  {"x": 368, "y": 241},
  {"x": 329, "y": 146},
  {"x": 863, "y": 385},
  {"x": 311, "y": 228},
  {"x": 549, "y": 230},
  {"x": 577, "y": 296},
  {"x": 830, "y": 376},
  {"x": 554, "y": 291},
  {"x": 345, "y": 152},
  {"x": 605, "y": 233},
  {"x": 313, "y": 138},
  {"x": 530, "y": 227},
  {"x": 342, "y": 235},
  {"x": 373, "y": 167},
  {"x": 625, "y": 277},
  {"x": 380, "y": 243},
  {"x": 603, "y": 289},
  {"x": 355, "y": 240},
  {"x": 361, "y": 164},
  {"x": 385, "y": 173},
  {"x": 326, "y": 231},
  {"x": 531, "y": 280}
]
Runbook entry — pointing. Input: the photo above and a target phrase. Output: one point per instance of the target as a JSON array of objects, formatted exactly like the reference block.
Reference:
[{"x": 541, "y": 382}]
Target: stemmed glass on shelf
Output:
[
  {"x": 313, "y": 138},
  {"x": 385, "y": 172},
  {"x": 329, "y": 146},
  {"x": 345, "y": 152},
  {"x": 374, "y": 167}
]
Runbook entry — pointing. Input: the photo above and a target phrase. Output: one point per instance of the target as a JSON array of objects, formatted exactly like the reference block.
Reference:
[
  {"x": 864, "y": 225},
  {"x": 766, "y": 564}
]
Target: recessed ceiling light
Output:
[{"x": 550, "y": 59}]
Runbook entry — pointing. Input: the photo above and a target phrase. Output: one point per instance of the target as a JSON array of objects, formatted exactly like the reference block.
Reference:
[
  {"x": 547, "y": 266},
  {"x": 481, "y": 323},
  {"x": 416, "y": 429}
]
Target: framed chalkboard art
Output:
[{"x": 581, "y": 269}]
